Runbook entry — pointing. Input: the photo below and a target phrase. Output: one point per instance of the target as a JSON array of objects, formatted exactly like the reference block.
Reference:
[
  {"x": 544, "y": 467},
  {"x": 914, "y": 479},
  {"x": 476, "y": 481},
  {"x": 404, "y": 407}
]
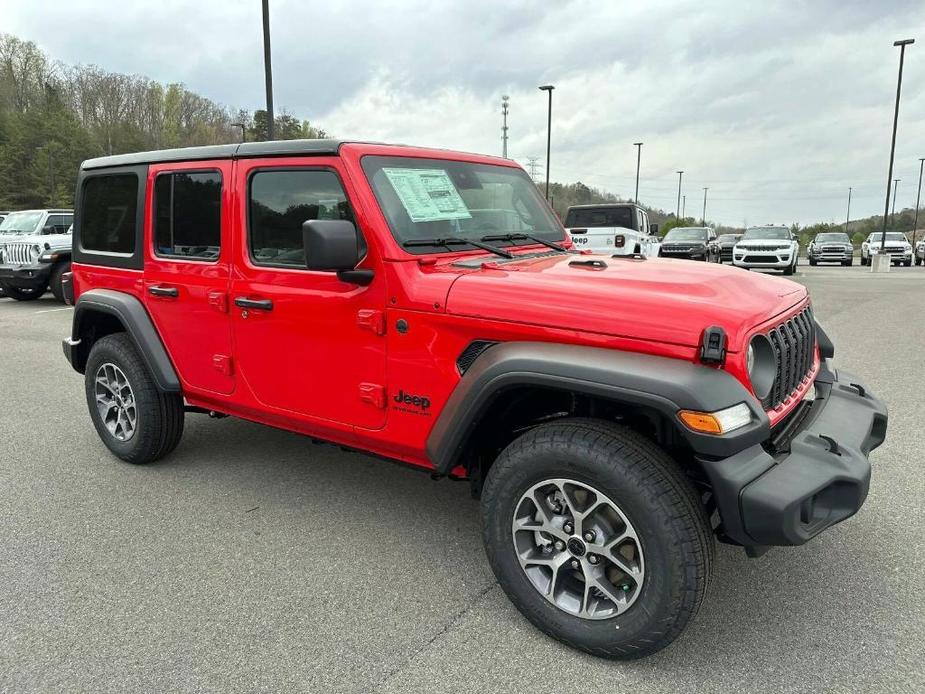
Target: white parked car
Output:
[
  {"x": 897, "y": 246},
  {"x": 615, "y": 229},
  {"x": 770, "y": 247},
  {"x": 920, "y": 252}
]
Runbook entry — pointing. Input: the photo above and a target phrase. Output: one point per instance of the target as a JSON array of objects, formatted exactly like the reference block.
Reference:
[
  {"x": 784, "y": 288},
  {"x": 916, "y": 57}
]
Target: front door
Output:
[
  {"x": 306, "y": 343},
  {"x": 187, "y": 269}
]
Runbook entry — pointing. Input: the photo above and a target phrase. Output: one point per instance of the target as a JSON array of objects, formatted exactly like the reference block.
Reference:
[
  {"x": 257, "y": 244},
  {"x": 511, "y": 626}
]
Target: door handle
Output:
[
  {"x": 256, "y": 304},
  {"x": 171, "y": 292}
]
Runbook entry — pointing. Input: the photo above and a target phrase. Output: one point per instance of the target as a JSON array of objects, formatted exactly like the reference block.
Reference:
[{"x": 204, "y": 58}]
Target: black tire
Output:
[
  {"x": 908, "y": 263},
  {"x": 22, "y": 294},
  {"x": 918, "y": 261},
  {"x": 813, "y": 262},
  {"x": 54, "y": 282},
  {"x": 656, "y": 497},
  {"x": 159, "y": 416}
]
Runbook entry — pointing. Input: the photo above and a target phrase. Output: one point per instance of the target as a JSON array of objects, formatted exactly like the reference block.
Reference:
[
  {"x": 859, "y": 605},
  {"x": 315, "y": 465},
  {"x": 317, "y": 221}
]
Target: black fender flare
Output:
[
  {"x": 661, "y": 383},
  {"x": 131, "y": 313}
]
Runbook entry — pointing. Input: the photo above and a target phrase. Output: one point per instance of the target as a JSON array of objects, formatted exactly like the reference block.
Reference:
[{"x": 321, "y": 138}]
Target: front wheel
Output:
[
  {"x": 55, "y": 281},
  {"x": 597, "y": 537}
]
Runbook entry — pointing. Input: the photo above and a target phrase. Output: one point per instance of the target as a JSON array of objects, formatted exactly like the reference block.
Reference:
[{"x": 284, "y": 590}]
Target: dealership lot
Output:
[{"x": 253, "y": 560}]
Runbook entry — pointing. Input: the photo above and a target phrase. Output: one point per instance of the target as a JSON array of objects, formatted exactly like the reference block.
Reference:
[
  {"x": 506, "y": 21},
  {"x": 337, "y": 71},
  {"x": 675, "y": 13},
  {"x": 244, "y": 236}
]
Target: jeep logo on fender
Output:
[{"x": 419, "y": 402}]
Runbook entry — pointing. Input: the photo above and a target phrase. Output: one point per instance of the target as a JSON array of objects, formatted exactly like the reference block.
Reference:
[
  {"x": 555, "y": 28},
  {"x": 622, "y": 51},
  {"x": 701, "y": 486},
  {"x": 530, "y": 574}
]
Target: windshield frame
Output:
[
  {"x": 5, "y": 225},
  {"x": 371, "y": 164},
  {"x": 761, "y": 234}
]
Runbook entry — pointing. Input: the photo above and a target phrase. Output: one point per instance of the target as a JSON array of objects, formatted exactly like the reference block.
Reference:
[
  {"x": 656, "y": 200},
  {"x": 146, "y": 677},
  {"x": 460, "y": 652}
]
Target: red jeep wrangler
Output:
[{"x": 615, "y": 414}]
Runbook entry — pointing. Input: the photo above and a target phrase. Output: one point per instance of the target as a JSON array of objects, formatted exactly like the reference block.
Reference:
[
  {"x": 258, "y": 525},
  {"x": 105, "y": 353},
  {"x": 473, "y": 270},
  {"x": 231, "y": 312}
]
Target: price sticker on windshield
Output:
[{"x": 428, "y": 195}]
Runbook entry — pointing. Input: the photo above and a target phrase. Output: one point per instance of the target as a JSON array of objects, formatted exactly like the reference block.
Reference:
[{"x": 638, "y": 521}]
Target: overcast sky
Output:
[{"x": 777, "y": 107}]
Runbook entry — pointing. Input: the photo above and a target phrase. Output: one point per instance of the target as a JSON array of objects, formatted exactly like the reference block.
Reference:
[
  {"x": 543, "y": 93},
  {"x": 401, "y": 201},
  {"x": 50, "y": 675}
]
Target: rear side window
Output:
[
  {"x": 187, "y": 215},
  {"x": 109, "y": 214},
  {"x": 280, "y": 201}
]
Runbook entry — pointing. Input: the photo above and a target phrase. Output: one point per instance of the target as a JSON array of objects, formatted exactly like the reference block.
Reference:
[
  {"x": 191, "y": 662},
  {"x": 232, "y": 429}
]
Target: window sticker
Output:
[{"x": 427, "y": 194}]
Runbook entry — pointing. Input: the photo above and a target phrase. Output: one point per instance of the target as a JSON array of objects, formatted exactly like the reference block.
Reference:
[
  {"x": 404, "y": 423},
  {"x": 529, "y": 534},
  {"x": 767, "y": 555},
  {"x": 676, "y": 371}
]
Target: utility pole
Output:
[
  {"x": 51, "y": 177},
  {"x": 893, "y": 210},
  {"x": 918, "y": 199},
  {"x": 638, "y": 146},
  {"x": 848, "y": 216},
  {"x": 548, "y": 88},
  {"x": 504, "y": 110},
  {"x": 268, "y": 69},
  {"x": 703, "y": 219},
  {"x": 899, "y": 85},
  {"x": 677, "y": 213},
  {"x": 683, "y": 206},
  {"x": 532, "y": 164}
]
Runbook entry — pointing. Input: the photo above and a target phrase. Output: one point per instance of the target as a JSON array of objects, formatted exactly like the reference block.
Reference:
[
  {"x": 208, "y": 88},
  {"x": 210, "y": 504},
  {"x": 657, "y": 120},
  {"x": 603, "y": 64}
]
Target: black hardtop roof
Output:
[
  {"x": 605, "y": 204},
  {"x": 232, "y": 151}
]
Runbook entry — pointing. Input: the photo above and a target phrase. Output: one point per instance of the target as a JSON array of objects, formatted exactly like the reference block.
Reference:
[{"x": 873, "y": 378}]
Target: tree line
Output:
[{"x": 54, "y": 115}]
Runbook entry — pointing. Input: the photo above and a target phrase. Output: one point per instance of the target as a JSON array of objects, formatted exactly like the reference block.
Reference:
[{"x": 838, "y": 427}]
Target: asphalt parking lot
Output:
[{"x": 252, "y": 560}]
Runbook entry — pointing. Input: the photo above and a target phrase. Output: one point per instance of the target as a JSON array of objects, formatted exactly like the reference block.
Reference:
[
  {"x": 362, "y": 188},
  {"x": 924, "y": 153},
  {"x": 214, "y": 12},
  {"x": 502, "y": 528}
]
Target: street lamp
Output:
[
  {"x": 848, "y": 216},
  {"x": 548, "y": 88},
  {"x": 899, "y": 84},
  {"x": 703, "y": 219},
  {"x": 243, "y": 130},
  {"x": 677, "y": 213},
  {"x": 268, "y": 68},
  {"x": 893, "y": 209},
  {"x": 504, "y": 107},
  {"x": 918, "y": 199},
  {"x": 638, "y": 146}
]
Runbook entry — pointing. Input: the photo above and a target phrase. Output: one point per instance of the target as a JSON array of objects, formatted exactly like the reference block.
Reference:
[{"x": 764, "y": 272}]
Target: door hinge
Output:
[
  {"x": 223, "y": 363},
  {"x": 219, "y": 301},
  {"x": 373, "y": 320},
  {"x": 373, "y": 393}
]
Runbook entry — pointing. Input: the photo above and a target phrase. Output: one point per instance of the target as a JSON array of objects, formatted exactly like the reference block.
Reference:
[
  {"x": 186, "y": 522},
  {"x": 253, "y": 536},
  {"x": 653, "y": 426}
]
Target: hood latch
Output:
[{"x": 713, "y": 345}]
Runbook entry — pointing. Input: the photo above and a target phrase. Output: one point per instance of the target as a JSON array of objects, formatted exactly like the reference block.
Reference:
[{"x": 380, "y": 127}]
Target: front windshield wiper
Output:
[
  {"x": 520, "y": 236},
  {"x": 457, "y": 241}
]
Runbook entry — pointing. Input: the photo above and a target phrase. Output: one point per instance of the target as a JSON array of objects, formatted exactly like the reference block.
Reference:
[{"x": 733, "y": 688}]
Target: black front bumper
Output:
[
  {"x": 32, "y": 276},
  {"x": 815, "y": 473}
]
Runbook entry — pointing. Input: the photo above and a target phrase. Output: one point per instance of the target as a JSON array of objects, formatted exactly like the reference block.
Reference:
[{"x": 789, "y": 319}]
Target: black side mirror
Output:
[
  {"x": 48, "y": 229},
  {"x": 335, "y": 245},
  {"x": 653, "y": 229}
]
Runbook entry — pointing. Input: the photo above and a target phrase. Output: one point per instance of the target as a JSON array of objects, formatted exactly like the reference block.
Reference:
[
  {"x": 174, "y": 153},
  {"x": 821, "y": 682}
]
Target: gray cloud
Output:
[{"x": 777, "y": 107}]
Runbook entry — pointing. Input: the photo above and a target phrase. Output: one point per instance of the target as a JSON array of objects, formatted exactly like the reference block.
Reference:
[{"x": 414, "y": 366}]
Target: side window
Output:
[
  {"x": 109, "y": 214},
  {"x": 279, "y": 201},
  {"x": 59, "y": 223},
  {"x": 188, "y": 215}
]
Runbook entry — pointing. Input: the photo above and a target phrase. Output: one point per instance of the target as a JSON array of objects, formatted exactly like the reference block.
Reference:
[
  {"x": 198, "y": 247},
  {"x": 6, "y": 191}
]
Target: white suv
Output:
[
  {"x": 897, "y": 246},
  {"x": 770, "y": 247},
  {"x": 615, "y": 229}
]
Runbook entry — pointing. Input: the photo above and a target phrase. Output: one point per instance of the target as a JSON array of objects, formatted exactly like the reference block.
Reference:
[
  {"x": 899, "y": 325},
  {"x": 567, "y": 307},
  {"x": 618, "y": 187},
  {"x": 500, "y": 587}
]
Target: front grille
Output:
[
  {"x": 794, "y": 344},
  {"x": 17, "y": 253}
]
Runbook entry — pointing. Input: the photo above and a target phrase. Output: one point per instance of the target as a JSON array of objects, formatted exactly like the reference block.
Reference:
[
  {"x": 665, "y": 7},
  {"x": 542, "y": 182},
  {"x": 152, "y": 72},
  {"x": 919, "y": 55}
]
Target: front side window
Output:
[
  {"x": 108, "y": 214},
  {"x": 58, "y": 223},
  {"x": 437, "y": 200},
  {"x": 188, "y": 215},
  {"x": 280, "y": 201}
]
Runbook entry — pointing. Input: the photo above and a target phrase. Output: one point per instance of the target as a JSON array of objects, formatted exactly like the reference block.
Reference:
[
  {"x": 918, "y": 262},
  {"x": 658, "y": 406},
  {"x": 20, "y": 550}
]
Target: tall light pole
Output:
[
  {"x": 677, "y": 213},
  {"x": 918, "y": 199},
  {"x": 243, "y": 130},
  {"x": 848, "y": 215},
  {"x": 504, "y": 106},
  {"x": 548, "y": 88},
  {"x": 893, "y": 209},
  {"x": 638, "y": 146},
  {"x": 683, "y": 206},
  {"x": 268, "y": 68},
  {"x": 703, "y": 219},
  {"x": 899, "y": 85}
]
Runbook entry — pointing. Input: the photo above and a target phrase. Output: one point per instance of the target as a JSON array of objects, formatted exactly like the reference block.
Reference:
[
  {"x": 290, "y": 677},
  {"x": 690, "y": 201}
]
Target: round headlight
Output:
[{"x": 762, "y": 365}]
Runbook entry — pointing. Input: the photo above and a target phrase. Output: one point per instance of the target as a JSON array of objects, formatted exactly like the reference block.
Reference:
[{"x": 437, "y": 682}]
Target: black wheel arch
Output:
[
  {"x": 100, "y": 312},
  {"x": 637, "y": 383}
]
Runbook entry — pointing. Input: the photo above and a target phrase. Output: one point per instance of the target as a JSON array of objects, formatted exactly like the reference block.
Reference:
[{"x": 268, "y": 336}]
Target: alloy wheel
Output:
[{"x": 115, "y": 402}]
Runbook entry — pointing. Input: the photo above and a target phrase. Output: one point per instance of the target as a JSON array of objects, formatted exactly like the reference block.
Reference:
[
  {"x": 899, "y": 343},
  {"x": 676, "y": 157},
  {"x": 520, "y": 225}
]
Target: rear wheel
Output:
[
  {"x": 597, "y": 537},
  {"x": 135, "y": 420},
  {"x": 54, "y": 283},
  {"x": 22, "y": 294},
  {"x": 918, "y": 261}
]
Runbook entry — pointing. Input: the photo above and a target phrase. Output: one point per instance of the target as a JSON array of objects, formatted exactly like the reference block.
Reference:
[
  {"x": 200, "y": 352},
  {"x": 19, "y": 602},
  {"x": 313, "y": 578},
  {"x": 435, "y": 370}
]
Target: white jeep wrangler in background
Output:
[{"x": 615, "y": 229}]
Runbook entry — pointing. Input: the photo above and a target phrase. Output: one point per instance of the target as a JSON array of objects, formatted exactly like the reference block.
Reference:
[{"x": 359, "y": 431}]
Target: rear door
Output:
[
  {"x": 306, "y": 343},
  {"x": 187, "y": 269}
]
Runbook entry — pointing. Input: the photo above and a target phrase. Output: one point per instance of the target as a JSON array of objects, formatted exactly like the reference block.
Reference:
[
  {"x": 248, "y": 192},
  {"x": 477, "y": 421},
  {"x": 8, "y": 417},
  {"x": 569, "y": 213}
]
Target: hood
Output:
[
  {"x": 662, "y": 300},
  {"x": 53, "y": 241}
]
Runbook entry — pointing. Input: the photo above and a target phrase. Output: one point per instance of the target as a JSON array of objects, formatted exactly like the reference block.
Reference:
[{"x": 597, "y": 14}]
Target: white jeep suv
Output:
[
  {"x": 770, "y": 247},
  {"x": 615, "y": 229},
  {"x": 897, "y": 246}
]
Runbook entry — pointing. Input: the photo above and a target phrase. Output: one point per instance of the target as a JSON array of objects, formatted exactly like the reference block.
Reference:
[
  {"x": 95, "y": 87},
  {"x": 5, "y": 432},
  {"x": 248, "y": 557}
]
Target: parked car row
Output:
[{"x": 35, "y": 253}]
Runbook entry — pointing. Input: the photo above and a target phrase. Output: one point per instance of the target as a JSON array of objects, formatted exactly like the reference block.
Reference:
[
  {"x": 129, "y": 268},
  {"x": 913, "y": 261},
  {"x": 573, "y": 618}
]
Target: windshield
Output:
[
  {"x": 600, "y": 217},
  {"x": 729, "y": 238},
  {"x": 21, "y": 223},
  {"x": 686, "y": 234},
  {"x": 890, "y": 236},
  {"x": 832, "y": 238},
  {"x": 766, "y": 233},
  {"x": 425, "y": 199}
]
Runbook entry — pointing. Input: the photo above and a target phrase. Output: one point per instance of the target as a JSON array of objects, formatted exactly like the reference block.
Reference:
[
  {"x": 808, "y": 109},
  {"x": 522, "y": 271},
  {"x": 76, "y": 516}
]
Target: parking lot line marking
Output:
[{"x": 52, "y": 310}]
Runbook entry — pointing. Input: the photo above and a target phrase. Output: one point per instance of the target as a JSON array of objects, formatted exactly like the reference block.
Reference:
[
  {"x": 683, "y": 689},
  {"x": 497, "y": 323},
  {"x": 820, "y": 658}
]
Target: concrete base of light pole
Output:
[{"x": 880, "y": 263}]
